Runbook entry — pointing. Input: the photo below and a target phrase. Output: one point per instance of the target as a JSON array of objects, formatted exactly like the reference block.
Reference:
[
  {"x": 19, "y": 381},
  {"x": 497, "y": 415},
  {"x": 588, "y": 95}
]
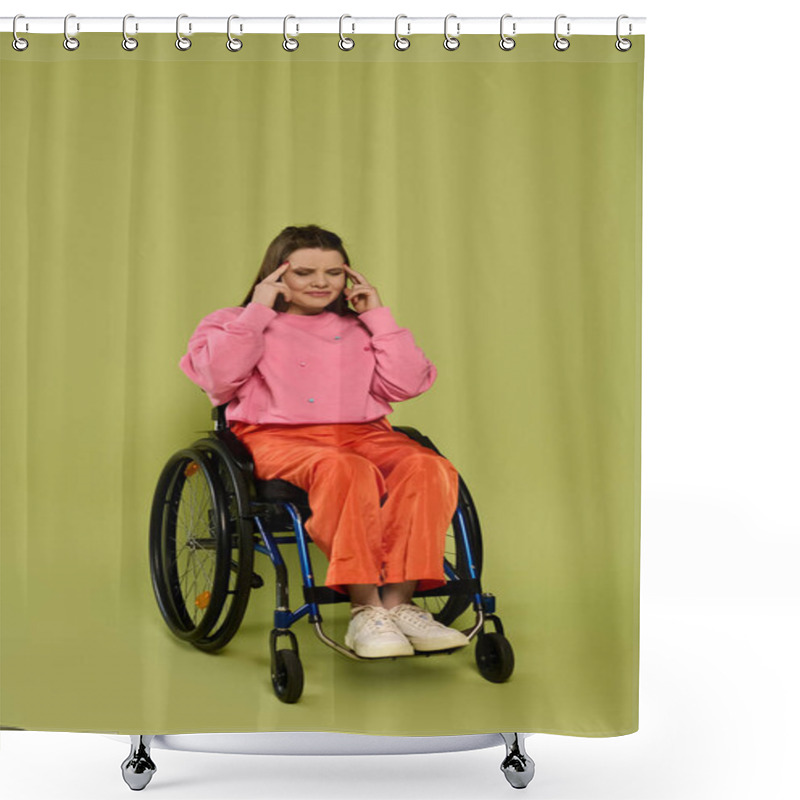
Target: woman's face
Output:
[{"x": 315, "y": 277}]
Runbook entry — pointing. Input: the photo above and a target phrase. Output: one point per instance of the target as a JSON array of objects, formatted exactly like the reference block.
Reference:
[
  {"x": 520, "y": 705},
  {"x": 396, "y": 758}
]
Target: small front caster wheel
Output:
[
  {"x": 287, "y": 676},
  {"x": 494, "y": 656}
]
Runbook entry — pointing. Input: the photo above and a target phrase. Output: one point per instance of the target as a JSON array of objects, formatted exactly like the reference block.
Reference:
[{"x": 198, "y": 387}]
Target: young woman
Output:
[{"x": 308, "y": 382}]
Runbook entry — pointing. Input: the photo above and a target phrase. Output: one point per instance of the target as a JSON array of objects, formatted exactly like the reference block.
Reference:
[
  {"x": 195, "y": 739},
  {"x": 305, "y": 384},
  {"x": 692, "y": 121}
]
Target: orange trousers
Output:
[{"x": 380, "y": 502}]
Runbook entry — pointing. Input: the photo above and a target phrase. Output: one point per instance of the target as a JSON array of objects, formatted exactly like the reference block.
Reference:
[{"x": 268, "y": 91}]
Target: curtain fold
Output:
[{"x": 494, "y": 198}]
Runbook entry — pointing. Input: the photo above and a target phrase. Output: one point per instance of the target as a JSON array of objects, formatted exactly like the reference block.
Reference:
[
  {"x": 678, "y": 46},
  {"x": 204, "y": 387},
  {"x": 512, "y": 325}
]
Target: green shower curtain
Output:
[{"x": 492, "y": 197}]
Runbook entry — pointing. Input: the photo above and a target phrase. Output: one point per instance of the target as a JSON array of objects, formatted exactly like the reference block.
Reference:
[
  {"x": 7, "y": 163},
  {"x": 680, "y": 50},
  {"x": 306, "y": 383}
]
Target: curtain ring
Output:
[
  {"x": 18, "y": 43},
  {"x": 233, "y": 44},
  {"x": 506, "y": 42},
  {"x": 70, "y": 42},
  {"x": 560, "y": 43},
  {"x": 182, "y": 43},
  {"x": 290, "y": 43},
  {"x": 451, "y": 42},
  {"x": 344, "y": 42},
  {"x": 623, "y": 45},
  {"x": 128, "y": 42},
  {"x": 399, "y": 42}
]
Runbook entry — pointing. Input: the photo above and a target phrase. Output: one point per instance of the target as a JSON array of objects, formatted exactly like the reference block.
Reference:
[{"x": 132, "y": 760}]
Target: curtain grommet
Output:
[
  {"x": 400, "y": 43},
  {"x": 129, "y": 43},
  {"x": 451, "y": 42},
  {"x": 290, "y": 43},
  {"x": 181, "y": 42},
  {"x": 345, "y": 43},
  {"x": 507, "y": 42},
  {"x": 233, "y": 44},
  {"x": 18, "y": 43},
  {"x": 70, "y": 42},
  {"x": 623, "y": 45}
]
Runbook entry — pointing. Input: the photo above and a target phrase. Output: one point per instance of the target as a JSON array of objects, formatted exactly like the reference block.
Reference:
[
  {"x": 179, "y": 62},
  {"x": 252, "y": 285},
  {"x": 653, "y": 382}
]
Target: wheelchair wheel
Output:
[
  {"x": 190, "y": 546},
  {"x": 447, "y": 609},
  {"x": 494, "y": 657},
  {"x": 287, "y": 676},
  {"x": 238, "y": 522}
]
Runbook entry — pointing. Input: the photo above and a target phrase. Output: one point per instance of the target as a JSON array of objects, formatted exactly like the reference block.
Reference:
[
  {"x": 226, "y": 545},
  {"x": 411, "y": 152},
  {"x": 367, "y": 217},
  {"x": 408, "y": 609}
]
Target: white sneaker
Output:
[
  {"x": 373, "y": 634},
  {"x": 422, "y": 630}
]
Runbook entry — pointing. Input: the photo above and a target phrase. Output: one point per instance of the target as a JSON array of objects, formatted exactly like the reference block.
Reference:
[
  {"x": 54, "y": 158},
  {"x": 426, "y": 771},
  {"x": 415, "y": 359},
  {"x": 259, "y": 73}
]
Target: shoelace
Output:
[
  {"x": 412, "y": 614},
  {"x": 378, "y": 621}
]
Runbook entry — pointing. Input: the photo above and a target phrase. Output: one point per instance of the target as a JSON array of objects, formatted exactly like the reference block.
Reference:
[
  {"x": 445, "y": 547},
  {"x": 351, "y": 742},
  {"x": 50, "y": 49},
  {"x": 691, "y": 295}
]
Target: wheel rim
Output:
[
  {"x": 446, "y": 609},
  {"x": 241, "y": 549},
  {"x": 191, "y": 558}
]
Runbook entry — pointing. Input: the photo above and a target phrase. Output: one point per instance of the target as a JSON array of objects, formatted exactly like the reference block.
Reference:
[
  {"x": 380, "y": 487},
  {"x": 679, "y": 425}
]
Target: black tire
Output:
[
  {"x": 287, "y": 676},
  {"x": 235, "y": 507},
  {"x": 189, "y": 533},
  {"x": 446, "y": 609},
  {"x": 494, "y": 656}
]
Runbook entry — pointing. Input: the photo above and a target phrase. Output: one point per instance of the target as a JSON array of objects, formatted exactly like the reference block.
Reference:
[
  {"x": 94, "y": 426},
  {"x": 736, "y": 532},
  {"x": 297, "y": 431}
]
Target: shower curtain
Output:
[{"x": 494, "y": 199}]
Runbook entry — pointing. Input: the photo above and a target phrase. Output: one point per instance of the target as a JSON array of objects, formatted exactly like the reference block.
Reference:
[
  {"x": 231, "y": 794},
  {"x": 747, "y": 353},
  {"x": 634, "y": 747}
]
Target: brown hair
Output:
[{"x": 284, "y": 244}]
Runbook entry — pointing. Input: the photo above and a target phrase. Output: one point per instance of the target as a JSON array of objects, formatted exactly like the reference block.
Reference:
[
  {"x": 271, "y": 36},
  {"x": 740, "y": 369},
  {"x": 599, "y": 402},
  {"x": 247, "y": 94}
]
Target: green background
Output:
[{"x": 494, "y": 198}]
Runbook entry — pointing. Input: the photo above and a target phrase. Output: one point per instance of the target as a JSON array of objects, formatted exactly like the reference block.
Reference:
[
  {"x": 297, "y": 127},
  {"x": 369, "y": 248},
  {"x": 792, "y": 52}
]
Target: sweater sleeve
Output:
[
  {"x": 225, "y": 348},
  {"x": 401, "y": 369}
]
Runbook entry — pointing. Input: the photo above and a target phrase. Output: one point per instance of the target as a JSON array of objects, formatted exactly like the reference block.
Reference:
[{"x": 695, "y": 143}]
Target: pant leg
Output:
[
  {"x": 422, "y": 498},
  {"x": 344, "y": 494}
]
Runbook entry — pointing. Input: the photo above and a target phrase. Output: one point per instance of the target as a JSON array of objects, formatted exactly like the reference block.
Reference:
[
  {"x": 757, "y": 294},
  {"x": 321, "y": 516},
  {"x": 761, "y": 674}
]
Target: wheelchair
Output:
[{"x": 209, "y": 517}]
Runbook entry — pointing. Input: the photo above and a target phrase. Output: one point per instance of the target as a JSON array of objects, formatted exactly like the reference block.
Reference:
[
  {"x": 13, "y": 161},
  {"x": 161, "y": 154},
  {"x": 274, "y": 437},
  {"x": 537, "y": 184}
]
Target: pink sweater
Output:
[{"x": 292, "y": 369}]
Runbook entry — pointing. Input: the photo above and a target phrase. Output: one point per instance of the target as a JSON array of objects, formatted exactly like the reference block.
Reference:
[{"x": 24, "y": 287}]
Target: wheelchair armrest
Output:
[{"x": 218, "y": 415}]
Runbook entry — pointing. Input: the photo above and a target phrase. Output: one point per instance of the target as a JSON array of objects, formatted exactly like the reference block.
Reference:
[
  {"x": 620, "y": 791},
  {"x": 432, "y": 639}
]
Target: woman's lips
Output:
[{"x": 318, "y": 294}]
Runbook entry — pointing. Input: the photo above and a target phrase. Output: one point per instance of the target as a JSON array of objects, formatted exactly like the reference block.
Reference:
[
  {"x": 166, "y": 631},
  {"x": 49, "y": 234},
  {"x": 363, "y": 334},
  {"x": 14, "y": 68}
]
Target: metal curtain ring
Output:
[
  {"x": 344, "y": 42},
  {"x": 623, "y": 45},
  {"x": 18, "y": 43},
  {"x": 506, "y": 42},
  {"x": 399, "y": 42},
  {"x": 182, "y": 43},
  {"x": 451, "y": 42},
  {"x": 560, "y": 43},
  {"x": 128, "y": 42},
  {"x": 70, "y": 42},
  {"x": 289, "y": 42},
  {"x": 233, "y": 44}
]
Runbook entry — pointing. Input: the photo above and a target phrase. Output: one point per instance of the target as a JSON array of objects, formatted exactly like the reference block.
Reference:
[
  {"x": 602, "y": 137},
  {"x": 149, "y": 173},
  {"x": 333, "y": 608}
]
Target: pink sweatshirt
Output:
[{"x": 292, "y": 369}]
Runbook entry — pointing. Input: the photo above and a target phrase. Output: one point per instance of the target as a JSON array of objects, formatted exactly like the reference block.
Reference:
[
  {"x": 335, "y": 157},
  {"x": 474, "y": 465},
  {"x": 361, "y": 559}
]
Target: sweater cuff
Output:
[
  {"x": 257, "y": 316},
  {"x": 379, "y": 320}
]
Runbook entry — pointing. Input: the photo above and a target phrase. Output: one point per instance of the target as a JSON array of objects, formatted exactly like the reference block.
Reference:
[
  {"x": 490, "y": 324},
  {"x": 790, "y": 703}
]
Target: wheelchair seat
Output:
[{"x": 278, "y": 490}]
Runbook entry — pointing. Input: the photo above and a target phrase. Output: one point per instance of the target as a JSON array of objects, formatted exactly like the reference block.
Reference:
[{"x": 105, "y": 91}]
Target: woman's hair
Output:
[{"x": 284, "y": 244}]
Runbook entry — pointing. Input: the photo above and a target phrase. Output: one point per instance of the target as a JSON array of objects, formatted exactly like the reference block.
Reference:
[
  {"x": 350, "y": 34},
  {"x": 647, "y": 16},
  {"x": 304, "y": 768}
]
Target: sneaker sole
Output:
[
  {"x": 428, "y": 646},
  {"x": 386, "y": 651}
]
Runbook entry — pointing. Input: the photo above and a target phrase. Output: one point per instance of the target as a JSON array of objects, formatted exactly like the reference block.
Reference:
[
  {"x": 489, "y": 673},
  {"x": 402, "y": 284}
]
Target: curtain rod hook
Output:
[
  {"x": 344, "y": 42},
  {"x": 623, "y": 45},
  {"x": 70, "y": 42},
  {"x": 290, "y": 43},
  {"x": 233, "y": 44},
  {"x": 399, "y": 42},
  {"x": 561, "y": 43},
  {"x": 182, "y": 43},
  {"x": 506, "y": 42},
  {"x": 451, "y": 42},
  {"x": 128, "y": 42},
  {"x": 18, "y": 43}
]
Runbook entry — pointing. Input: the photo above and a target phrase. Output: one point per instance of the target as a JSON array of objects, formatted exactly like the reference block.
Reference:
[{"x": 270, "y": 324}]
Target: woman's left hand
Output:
[{"x": 361, "y": 294}]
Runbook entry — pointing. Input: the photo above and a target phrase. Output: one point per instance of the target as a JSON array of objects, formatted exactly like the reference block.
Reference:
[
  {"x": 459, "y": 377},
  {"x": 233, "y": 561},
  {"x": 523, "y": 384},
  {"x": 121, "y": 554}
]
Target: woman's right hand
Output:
[{"x": 268, "y": 290}]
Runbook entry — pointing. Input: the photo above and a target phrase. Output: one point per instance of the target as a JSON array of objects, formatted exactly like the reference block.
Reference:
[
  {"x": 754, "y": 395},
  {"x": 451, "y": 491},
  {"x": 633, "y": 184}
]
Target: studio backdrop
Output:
[{"x": 492, "y": 197}]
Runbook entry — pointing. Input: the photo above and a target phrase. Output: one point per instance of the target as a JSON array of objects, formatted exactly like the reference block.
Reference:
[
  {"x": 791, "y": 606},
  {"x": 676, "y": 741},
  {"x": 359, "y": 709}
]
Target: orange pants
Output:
[{"x": 381, "y": 503}]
